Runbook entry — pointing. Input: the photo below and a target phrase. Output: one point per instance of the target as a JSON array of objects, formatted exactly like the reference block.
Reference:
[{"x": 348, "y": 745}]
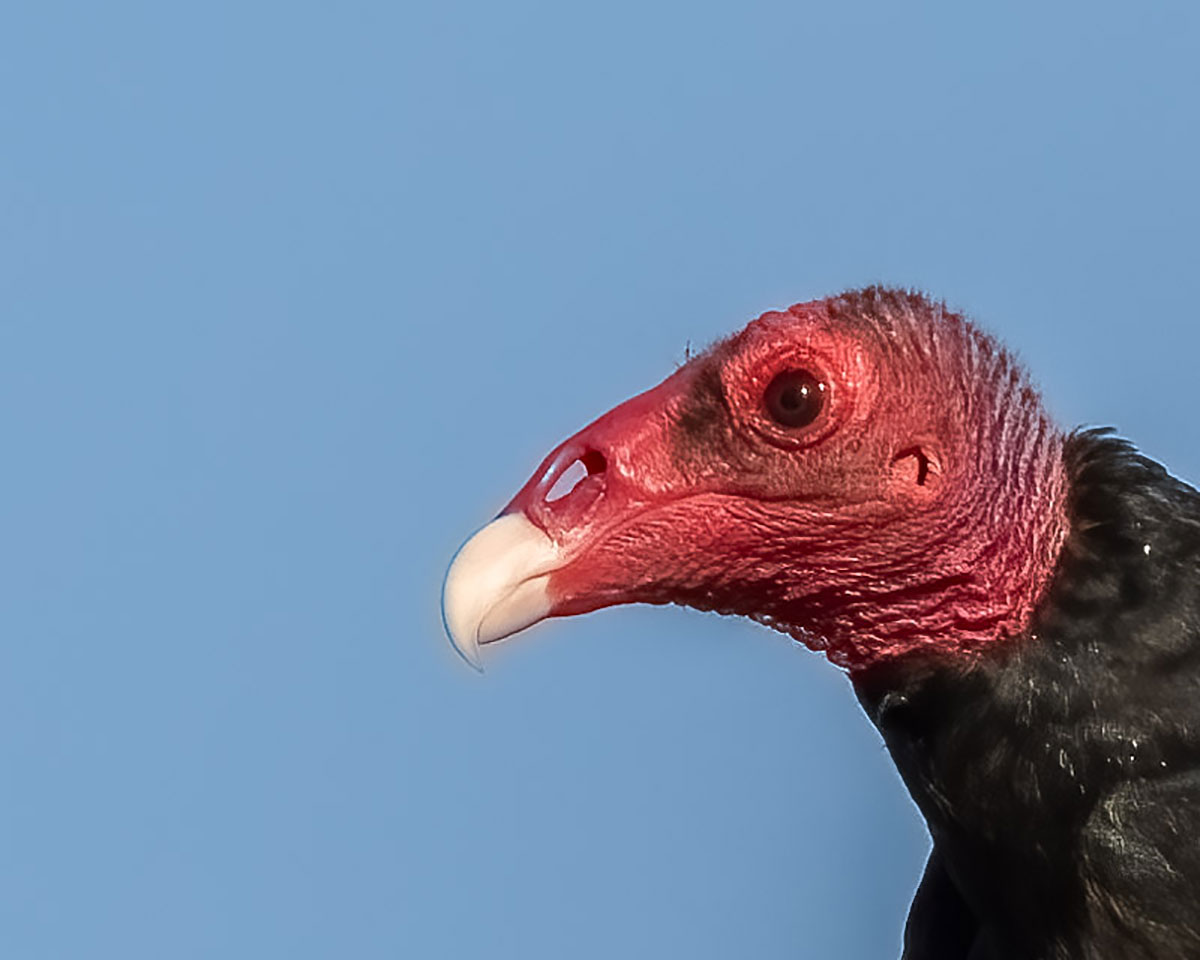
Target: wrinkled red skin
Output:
[{"x": 922, "y": 510}]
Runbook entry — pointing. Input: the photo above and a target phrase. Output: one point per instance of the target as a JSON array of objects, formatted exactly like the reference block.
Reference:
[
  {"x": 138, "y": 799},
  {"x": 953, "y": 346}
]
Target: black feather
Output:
[{"x": 1060, "y": 775}]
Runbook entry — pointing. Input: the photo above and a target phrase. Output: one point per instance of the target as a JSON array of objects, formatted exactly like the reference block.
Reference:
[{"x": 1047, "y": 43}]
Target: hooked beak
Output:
[
  {"x": 500, "y": 582},
  {"x": 497, "y": 584}
]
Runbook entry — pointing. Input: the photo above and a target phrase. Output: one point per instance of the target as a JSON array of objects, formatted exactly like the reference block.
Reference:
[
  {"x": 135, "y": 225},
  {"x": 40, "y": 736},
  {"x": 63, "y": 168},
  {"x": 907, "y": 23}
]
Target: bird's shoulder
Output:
[{"x": 1140, "y": 860}]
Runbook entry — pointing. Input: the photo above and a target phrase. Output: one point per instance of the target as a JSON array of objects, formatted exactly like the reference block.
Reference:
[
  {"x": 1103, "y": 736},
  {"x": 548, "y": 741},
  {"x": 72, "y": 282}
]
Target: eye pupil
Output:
[{"x": 794, "y": 398}]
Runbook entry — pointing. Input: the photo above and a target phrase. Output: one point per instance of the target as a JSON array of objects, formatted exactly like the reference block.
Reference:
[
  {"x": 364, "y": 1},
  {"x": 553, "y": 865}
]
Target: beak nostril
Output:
[
  {"x": 594, "y": 462},
  {"x": 567, "y": 481},
  {"x": 586, "y": 465}
]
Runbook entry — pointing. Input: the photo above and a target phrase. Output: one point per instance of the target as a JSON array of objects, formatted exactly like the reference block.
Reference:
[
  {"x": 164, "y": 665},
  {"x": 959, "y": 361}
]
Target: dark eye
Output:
[{"x": 794, "y": 398}]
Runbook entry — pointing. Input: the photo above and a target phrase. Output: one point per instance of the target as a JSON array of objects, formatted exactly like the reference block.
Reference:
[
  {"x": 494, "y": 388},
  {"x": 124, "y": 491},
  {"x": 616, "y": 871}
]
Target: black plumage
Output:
[{"x": 1060, "y": 774}]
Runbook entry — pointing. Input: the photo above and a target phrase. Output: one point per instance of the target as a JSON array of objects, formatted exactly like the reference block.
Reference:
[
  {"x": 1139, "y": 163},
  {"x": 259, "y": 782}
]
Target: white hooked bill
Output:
[{"x": 497, "y": 584}]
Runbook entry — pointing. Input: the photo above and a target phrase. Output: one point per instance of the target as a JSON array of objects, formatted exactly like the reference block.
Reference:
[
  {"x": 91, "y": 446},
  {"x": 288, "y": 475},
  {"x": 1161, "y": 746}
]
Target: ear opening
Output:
[{"x": 915, "y": 466}]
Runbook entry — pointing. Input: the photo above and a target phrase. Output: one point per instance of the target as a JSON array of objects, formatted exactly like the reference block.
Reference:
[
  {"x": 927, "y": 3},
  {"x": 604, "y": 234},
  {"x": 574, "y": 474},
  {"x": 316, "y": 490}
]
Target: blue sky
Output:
[{"x": 295, "y": 296}]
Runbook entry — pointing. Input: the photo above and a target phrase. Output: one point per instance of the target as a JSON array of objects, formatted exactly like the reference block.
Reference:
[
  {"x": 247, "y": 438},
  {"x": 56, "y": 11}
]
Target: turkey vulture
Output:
[{"x": 1018, "y": 608}]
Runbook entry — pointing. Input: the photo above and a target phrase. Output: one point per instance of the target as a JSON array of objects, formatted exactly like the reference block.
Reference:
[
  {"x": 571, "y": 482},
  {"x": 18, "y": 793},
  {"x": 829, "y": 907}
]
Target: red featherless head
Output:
[{"x": 869, "y": 473}]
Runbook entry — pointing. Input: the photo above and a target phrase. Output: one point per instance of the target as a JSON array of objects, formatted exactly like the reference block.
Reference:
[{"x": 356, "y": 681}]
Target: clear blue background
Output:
[{"x": 294, "y": 296}]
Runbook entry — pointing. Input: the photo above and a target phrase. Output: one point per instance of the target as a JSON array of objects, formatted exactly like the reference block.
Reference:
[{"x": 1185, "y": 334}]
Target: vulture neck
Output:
[
  {"x": 1013, "y": 753},
  {"x": 965, "y": 575}
]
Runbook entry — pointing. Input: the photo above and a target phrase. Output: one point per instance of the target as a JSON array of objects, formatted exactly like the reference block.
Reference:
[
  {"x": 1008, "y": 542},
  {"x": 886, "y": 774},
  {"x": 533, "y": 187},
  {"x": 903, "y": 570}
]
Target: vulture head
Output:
[
  {"x": 1019, "y": 610},
  {"x": 869, "y": 473}
]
